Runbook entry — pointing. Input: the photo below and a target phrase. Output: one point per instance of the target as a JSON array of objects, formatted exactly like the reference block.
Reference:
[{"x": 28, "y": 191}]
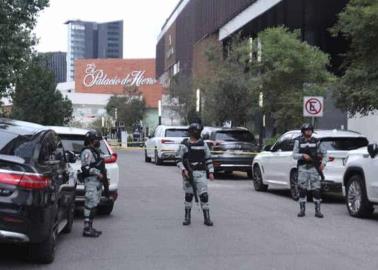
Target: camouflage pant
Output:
[
  {"x": 93, "y": 190},
  {"x": 200, "y": 180},
  {"x": 308, "y": 179}
]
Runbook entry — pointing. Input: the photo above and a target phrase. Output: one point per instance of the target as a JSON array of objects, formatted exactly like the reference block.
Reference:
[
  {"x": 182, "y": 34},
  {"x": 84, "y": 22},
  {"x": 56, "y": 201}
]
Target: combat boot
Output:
[
  {"x": 89, "y": 231},
  {"x": 302, "y": 211},
  {"x": 206, "y": 215},
  {"x": 318, "y": 214},
  {"x": 187, "y": 220}
]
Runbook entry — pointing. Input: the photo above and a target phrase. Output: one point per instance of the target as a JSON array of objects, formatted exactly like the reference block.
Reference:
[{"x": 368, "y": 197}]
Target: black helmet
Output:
[
  {"x": 195, "y": 130},
  {"x": 307, "y": 126},
  {"x": 91, "y": 136}
]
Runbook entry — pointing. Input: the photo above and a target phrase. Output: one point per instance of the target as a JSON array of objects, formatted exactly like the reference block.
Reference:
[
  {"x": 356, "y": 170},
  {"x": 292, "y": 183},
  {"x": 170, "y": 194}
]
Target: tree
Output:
[
  {"x": 130, "y": 107},
  {"x": 17, "y": 20},
  {"x": 227, "y": 87},
  {"x": 357, "y": 89},
  {"x": 289, "y": 70},
  {"x": 36, "y": 99}
]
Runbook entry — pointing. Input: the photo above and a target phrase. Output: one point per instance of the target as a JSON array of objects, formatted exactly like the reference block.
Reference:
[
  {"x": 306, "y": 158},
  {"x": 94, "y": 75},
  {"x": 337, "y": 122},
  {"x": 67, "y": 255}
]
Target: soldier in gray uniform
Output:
[
  {"x": 90, "y": 157},
  {"x": 194, "y": 161},
  {"x": 311, "y": 159}
]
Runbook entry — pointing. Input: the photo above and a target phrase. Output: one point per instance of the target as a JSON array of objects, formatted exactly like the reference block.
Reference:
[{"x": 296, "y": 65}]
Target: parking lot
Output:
[{"x": 252, "y": 230}]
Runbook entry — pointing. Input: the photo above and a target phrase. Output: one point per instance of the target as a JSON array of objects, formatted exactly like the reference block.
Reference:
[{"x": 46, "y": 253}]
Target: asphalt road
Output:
[{"x": 252, "y": 230}]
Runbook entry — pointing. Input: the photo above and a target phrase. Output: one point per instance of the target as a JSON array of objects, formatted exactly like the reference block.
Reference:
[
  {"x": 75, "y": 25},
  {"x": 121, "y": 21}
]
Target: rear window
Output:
[
  {"x": 343, "y": 144},
  {"x": 235, "y": 135},
  {"x": 22, "y": 146},
  {"x": 176, "y": 133},
  {"x": 75, "y": 143}
]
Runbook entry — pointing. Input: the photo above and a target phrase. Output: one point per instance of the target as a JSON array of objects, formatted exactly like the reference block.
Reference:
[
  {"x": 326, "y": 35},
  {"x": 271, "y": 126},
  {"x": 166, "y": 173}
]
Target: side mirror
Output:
[
  {"x": 373, "y": 150},
  {"x": 70, "y": 157},
  {"x": 150, "y": 136},
  {"x": 267, "y": 148}
]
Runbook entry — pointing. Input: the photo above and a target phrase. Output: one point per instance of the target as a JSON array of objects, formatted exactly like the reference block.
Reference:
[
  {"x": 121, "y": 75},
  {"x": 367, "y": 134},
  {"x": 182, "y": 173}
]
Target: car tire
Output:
[
  {"x": 70, "y": 218},
  {"x": 107, "y": 209},
  {"x": 44, "y": 252},
  {"x": 357, "y": 202},
  {"x": 258, "y": 180},
  {"x": 146, "y": 158},
  {"x": 158, "y": 161},
  {"x": 294, "y": 193}
]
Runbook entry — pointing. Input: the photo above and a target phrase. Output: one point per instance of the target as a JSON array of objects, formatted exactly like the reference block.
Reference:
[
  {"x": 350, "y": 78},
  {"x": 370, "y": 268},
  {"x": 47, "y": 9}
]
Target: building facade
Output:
[
  {"x": 91, "y": 40},
  {"x": 57, "y": 63},
  {"x": 195, "y": 24},
  {"x": 97, "y": 80}
]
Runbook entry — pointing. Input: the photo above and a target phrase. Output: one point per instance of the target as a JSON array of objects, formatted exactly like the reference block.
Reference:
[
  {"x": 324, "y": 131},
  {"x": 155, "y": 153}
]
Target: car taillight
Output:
[
  {"x": 24, "y": 180},
  {"x": 111, "y": 159},
  {"x": 167, "y": 141},
  {"x": 330, "y": 159}
]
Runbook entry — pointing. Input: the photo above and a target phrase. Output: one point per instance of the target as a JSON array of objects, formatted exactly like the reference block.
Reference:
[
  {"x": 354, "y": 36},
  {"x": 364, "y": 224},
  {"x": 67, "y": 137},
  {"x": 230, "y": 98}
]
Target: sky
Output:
[{"x": 143, "y": 20}]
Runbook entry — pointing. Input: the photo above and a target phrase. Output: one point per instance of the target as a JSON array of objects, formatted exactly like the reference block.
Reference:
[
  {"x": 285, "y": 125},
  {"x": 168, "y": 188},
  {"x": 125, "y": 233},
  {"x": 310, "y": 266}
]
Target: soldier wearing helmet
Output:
[
  {"x": 311, "y": 162},
  {"x": 194, "y": 160},
  {"x": 90, "y": 157}
]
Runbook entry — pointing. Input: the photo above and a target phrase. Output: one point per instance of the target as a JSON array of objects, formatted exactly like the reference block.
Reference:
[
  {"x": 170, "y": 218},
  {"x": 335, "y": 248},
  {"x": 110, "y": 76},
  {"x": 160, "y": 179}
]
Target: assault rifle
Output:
[
  {"x": 316, "y": 160},
  {"x": 190, "y": 179},
  {"x": 105, "y": 181}
]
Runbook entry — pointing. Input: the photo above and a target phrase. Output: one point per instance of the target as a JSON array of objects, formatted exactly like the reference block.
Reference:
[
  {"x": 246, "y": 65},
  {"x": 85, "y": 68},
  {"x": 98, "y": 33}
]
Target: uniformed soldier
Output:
[
  {"x": 195, "y": 153},
  {"x": 90, "y": 158},
  {"x": 311, "y": 159}
]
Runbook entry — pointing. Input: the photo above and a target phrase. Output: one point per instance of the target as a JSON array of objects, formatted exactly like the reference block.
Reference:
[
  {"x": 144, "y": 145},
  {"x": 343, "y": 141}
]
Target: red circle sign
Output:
[{"x": 314, "y": 106}]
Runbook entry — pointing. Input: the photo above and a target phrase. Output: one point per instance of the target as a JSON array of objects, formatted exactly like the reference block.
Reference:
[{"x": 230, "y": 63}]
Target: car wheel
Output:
[
  {"x": 294, "y": 185},
  {"x": 146, "y": 158},
  {"x": 158, "y": 161},
  {"x": 44, "y": 252},
  {"x": 106, "y": 209},
  {"x": 258, "y": 180},
  {"x": 356, "y": 198},
  {"x": 70, "y": 218}
]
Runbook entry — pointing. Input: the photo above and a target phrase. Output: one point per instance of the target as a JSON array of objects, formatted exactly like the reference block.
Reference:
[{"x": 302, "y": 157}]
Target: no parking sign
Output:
[{"x": 313, "y": 106}]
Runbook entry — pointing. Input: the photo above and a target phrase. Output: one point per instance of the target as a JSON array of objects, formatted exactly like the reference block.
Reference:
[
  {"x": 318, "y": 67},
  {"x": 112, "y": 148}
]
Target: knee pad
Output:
[
  {"x": 204, "y": 197},
  {"x": 302, "y": 193},
  {"x": 188, "y": 197},
  {"x": 316, "y": 194}
]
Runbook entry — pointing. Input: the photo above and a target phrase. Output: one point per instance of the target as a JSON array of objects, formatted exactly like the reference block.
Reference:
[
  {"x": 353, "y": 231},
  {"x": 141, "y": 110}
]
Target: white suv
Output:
[
  {"x": 360, "y": 183},
  {"x": 165, "y": 143},
  {"x": 73, "y": 140},
  {"x": 275, "y": 166}
]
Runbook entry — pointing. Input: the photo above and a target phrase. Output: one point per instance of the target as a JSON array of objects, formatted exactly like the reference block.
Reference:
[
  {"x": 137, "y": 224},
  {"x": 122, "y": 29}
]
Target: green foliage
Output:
[
  {"x": 290, "y": 69},
  {"x": 130, "y": 108},
  {"x": 17, "y": 20},
  {"x": 358, "y": 88},
  {"x": 227, "y": 90},
  {"x": 36, "y": 98}
]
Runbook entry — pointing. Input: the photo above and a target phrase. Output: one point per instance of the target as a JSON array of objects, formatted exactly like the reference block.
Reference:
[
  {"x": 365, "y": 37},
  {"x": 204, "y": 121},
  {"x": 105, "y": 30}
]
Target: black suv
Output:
[
  {"x": 233, "y": 149},
  {"x": 37, "y": 194}
]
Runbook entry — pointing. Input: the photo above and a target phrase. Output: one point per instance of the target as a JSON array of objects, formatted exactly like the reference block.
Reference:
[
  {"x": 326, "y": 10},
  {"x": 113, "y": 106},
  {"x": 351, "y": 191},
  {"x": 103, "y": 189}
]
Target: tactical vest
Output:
[
  {"x": 196, "y": 154},
  {"x": 309, "y": 147},
  {"x": 94, "y": 164}
]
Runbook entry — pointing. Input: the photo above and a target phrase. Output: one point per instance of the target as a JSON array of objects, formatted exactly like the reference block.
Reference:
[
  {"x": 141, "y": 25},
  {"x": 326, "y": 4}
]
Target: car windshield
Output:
[
  {"x": 22, "y": 146},
  {"x": 343, "y": 144},
  {"x": 234, "y": 135},
  {"x": 75, "y": 143},
  {"x": 176, "y": 133}
]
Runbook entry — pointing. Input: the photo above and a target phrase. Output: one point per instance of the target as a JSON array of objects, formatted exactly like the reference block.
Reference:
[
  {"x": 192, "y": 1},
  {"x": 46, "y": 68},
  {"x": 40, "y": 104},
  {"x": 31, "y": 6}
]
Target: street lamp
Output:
[
  {"x": 159, "y": 111},
  {"x": 198, "y": 101}
]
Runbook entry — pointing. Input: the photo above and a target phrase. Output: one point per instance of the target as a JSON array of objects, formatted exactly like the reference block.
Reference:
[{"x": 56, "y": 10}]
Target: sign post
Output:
[{"x": 313, "y": 107}]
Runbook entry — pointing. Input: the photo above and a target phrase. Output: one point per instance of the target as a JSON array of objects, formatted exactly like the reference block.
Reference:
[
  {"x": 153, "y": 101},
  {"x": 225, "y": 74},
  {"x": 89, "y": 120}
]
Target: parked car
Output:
[
  {"x": 73, "y": 140},
  {"x": 276, "y": 167},
  {"x": 360, "y": 181},
  {"x": 163, "y": 145},
  {"x": 233, "y": 149},
  {"x": 37, "y": 194}
]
